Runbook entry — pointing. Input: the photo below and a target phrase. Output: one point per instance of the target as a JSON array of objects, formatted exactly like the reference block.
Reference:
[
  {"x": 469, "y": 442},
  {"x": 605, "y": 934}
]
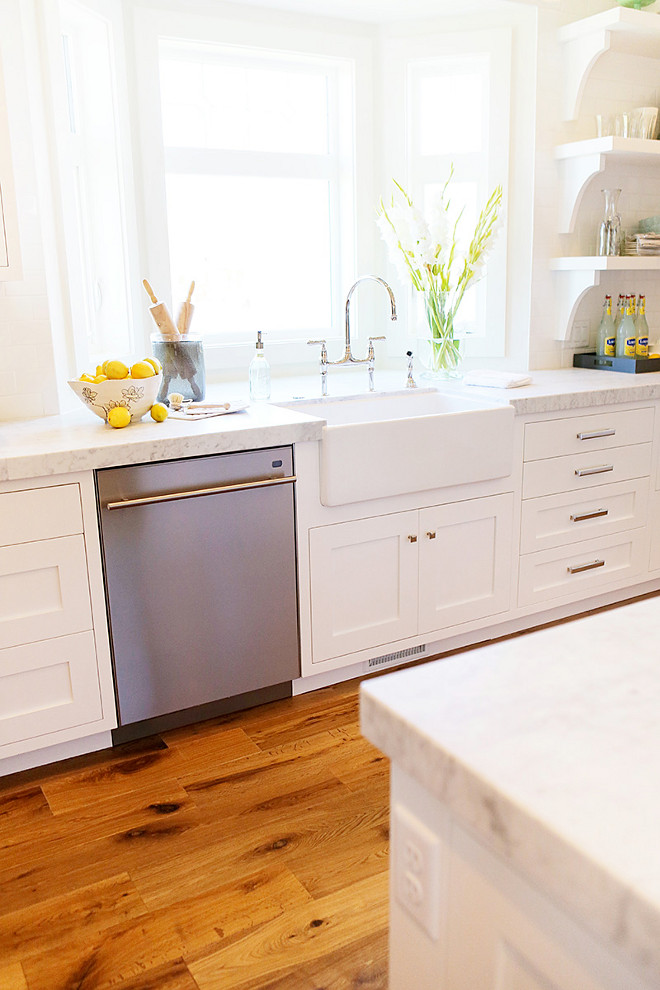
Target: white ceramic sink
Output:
[{"x": 378, "y": 445}]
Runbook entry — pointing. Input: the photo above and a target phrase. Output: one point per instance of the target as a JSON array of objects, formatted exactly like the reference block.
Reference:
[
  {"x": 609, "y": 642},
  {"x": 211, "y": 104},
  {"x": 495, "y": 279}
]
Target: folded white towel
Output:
[{"x": 491, "y": 378}]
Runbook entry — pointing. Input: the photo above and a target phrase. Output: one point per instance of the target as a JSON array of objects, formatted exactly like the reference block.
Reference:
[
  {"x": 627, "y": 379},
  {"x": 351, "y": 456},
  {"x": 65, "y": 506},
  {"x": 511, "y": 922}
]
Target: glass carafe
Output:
[{"x": 609, "y": 232}]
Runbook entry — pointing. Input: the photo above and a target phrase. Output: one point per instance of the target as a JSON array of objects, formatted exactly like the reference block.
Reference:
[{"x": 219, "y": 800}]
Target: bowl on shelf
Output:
[{"x": 136, "y": 394}]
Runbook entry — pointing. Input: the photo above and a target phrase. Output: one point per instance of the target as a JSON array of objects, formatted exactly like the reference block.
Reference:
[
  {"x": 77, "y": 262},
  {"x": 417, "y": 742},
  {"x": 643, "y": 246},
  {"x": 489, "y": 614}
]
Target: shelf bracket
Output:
[
  {"x": 574, "y": 176},
  {"x": 572, "y": 286},
  {"x": 580, "y": 54}
]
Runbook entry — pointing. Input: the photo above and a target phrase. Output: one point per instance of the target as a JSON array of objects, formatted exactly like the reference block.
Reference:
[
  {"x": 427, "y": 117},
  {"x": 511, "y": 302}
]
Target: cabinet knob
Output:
[
  {"x": 430, "y": 535},
  {"x": 412, "y": 539}
]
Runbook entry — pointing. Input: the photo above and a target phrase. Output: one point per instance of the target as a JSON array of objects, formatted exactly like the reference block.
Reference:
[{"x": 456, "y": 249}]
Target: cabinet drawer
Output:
[
  {"x": 48, "y": 686},
  {"x": 43, "y": 590},
  {"x": 557, "y": 520},
  {"x": 40, "y": 514},
  {"x": 577, "y": 472},
  {"x": 575, "y": 571},
  {"x": 580, "y": 434}
]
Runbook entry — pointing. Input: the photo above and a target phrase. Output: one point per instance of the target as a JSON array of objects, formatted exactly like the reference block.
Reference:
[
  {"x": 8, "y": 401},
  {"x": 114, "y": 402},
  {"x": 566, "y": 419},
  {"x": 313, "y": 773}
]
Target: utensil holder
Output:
[{"x": 183, "y": 366}]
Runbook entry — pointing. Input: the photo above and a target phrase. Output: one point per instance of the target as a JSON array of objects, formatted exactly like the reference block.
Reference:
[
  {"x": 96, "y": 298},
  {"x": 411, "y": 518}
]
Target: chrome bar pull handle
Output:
[
  {"x": 430, "y": 535},
  {"x": 602, "y": 469},
  {"x": 578, "y": 568},
  {"x": 596, "y": 434},
  {"x": 596, "y": 514},
  {"x": 220, "y": 490},
  {"x": 412, "y": 539}
]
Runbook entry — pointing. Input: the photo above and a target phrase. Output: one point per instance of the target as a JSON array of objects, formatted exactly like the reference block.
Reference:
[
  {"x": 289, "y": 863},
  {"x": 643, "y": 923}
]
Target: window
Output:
[
  {"x": 456, "y": 113},
  {"x": 253, "y": 170}
]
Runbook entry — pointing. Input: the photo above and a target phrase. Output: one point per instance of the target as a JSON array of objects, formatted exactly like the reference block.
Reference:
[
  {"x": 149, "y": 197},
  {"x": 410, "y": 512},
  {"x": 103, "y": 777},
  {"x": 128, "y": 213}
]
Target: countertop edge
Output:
[{"x": 622, "y": 918}]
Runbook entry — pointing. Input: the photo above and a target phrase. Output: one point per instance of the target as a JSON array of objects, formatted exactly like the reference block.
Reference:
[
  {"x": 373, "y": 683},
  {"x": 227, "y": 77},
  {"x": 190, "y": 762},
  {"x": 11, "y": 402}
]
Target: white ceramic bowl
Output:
[{"x": 137, "y": 394}]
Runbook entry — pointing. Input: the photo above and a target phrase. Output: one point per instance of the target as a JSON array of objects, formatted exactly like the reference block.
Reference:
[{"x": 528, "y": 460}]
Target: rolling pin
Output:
[
  {"x": 184, "y": 318},
  {"x": 161, "y": 316}
]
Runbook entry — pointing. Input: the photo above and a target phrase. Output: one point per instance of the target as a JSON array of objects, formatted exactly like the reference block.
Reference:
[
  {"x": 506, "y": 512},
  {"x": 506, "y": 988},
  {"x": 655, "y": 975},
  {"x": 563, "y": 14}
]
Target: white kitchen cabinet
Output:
[
  {"x": 48, "y": 686},
  {"x": 55, "y": 680},
  {"x": 379, "y": 580},
  {"x": 584, "y": 510},
  {"x": 364, "y": 583},
  {"x": 464, "y": 561},
  {"x": 43, "y": 590}
]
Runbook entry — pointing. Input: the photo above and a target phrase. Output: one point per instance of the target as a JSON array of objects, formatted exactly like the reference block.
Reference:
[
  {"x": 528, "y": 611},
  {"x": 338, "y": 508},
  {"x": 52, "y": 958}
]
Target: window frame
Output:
[
  {"x": 280, "y": 41},
  {"x": 404, "y": 56}
]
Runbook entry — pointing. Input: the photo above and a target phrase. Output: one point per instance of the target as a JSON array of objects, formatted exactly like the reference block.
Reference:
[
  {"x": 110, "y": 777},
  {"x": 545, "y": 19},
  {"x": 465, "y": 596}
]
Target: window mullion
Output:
[{"x": 211, "y": 161}]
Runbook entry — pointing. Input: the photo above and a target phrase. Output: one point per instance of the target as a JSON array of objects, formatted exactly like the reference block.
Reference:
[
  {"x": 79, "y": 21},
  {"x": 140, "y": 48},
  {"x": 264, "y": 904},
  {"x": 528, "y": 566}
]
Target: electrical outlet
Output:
[
  {"x": 416, "y": 865},
  {"x": 580, "y": 333}
]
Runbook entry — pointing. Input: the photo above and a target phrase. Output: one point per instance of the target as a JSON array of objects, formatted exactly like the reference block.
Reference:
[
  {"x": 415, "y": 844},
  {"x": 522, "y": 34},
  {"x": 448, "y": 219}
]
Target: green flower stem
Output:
[{"x": 445, "y": 348}]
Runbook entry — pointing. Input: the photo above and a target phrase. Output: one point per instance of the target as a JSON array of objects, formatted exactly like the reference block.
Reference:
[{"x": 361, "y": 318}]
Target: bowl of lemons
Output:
[{"x": 120, "y": 393}]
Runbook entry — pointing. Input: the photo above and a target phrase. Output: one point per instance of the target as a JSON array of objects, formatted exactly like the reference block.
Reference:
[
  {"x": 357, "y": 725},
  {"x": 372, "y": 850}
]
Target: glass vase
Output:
[
  {"x": 609, "y": 232},
  {"x": 183, "y": 367},
  {"x": 439, "y": 351}
]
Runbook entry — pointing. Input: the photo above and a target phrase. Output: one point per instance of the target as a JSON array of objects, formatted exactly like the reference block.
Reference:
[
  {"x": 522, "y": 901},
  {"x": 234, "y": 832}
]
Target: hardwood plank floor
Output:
[{"x": 249, "y": 852}]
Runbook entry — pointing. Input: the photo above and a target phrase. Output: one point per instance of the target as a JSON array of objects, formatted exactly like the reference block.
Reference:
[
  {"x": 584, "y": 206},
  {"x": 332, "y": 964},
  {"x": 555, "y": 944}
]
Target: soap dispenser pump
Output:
[{"x": 259, "y": 372}]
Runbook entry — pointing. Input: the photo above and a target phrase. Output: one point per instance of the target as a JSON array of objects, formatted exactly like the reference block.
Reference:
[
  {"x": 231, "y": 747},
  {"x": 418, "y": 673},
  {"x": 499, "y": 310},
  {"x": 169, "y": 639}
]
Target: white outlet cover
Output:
[{"x": 416, "y": 866}]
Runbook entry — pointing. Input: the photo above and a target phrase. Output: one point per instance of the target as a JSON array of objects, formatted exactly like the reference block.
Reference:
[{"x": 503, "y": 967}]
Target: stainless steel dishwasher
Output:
[{"x": 200, "y": 570}]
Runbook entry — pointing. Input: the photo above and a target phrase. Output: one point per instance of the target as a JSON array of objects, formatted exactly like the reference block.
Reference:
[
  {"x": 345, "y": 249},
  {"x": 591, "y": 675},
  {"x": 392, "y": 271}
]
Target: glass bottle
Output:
[
  {"x": 620, "y": 312},
  {"x": 609, "y": 232},
  {"x": 626, "y": 340},
  {"x": 642, "y": 330},
  {"x": 606, "y": 337},
  {"x": 259, "y": 373}
]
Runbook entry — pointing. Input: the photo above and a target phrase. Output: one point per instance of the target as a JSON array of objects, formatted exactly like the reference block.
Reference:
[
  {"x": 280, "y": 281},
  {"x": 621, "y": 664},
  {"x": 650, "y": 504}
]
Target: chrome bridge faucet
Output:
[{"x": 348, "y": 357}]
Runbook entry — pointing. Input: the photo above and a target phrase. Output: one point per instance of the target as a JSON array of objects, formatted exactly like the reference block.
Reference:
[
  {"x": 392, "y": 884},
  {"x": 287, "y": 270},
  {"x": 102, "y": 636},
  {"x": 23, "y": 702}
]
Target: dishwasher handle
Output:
[{"x": 176, "y": 496}]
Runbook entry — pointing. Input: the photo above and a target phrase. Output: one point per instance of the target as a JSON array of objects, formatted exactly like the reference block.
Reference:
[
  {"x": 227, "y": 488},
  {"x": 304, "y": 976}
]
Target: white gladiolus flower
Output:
[{"x": 431, "y": 252}]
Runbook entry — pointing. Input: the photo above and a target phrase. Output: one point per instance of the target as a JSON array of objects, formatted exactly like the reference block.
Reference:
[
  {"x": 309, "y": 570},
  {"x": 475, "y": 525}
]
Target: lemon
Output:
[
  {"x": 119, "y": 416},
  {"x": 85, "y": 377},
  {"x": 116, "y": 369},
  {"x": 155, "y": 364},
  {"x": 159, "y": 412},
  {"x": 99, "y": 370},
  {"x": 100, "y": 378},
  {"x": 142, "y": 369}
]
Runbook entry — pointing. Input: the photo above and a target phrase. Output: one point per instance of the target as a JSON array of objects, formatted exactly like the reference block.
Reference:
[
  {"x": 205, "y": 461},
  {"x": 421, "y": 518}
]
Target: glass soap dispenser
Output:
[{"x": 259, "y": 372}]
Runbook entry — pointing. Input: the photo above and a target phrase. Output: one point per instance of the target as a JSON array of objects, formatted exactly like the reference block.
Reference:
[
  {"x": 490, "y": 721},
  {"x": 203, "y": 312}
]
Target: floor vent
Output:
[{"x": 413, "y": 651}]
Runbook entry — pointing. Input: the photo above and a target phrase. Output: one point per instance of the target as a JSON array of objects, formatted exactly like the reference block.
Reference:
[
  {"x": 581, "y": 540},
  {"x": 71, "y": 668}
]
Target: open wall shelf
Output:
[
  {"x": 579, "y": 161},
  {"x": 621, "y": 29}
]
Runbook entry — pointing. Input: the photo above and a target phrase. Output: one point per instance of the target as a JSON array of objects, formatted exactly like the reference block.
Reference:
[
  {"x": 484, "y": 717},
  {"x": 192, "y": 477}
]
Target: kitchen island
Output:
[{"x": 525, "y": 809}]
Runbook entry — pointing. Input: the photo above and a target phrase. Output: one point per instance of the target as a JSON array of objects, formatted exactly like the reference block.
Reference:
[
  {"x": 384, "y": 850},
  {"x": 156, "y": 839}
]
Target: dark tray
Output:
[{"x": 632, "y": 366}]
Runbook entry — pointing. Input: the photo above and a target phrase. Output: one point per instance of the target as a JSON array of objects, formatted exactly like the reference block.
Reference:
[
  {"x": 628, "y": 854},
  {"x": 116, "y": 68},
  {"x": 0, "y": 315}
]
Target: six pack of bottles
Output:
[{"x": 625, "y": 334}]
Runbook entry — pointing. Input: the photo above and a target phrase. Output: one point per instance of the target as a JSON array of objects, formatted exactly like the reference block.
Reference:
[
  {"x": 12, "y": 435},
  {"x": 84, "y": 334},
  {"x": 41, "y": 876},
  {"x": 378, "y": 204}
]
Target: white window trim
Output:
[
  {"x": 151, "y": 25},
  {"x": 398, "y": 55}
]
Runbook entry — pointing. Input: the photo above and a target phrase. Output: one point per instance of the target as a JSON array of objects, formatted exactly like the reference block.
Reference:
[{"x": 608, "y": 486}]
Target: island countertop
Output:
[{"x": 547, "y": 746}]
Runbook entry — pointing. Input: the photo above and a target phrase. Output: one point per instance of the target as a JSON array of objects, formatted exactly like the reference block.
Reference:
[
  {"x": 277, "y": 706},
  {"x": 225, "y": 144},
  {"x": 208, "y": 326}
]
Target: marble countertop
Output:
[
  {"x": 77, "y": 441},
  {"x": 80, "y": 441},
  {"x": 547, "y": 745}
]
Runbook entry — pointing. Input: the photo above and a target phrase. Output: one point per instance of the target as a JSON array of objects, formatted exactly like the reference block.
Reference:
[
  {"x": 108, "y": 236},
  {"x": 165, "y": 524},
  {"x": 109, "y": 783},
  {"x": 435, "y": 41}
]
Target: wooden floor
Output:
[{"x": 246, "y": 852}]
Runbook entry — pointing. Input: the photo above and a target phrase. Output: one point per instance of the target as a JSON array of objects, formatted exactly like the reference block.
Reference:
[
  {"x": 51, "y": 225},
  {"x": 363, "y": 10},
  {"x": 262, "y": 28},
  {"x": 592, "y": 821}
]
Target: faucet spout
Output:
[{"x": 348, "y": 355}]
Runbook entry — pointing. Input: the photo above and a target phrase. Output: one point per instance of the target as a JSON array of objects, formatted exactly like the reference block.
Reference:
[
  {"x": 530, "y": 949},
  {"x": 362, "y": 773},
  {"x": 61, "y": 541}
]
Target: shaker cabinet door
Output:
[
  {"x": 363, "y": 583},
  {"x": 464, "y": 561},
  {"x": 44, "y": 590}
]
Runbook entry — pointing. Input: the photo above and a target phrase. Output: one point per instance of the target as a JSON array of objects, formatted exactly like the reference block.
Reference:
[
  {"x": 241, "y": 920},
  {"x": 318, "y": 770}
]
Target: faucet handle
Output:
[
  {"x": 324, "y": 349},
  {"x": 378, "y": 338}
]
